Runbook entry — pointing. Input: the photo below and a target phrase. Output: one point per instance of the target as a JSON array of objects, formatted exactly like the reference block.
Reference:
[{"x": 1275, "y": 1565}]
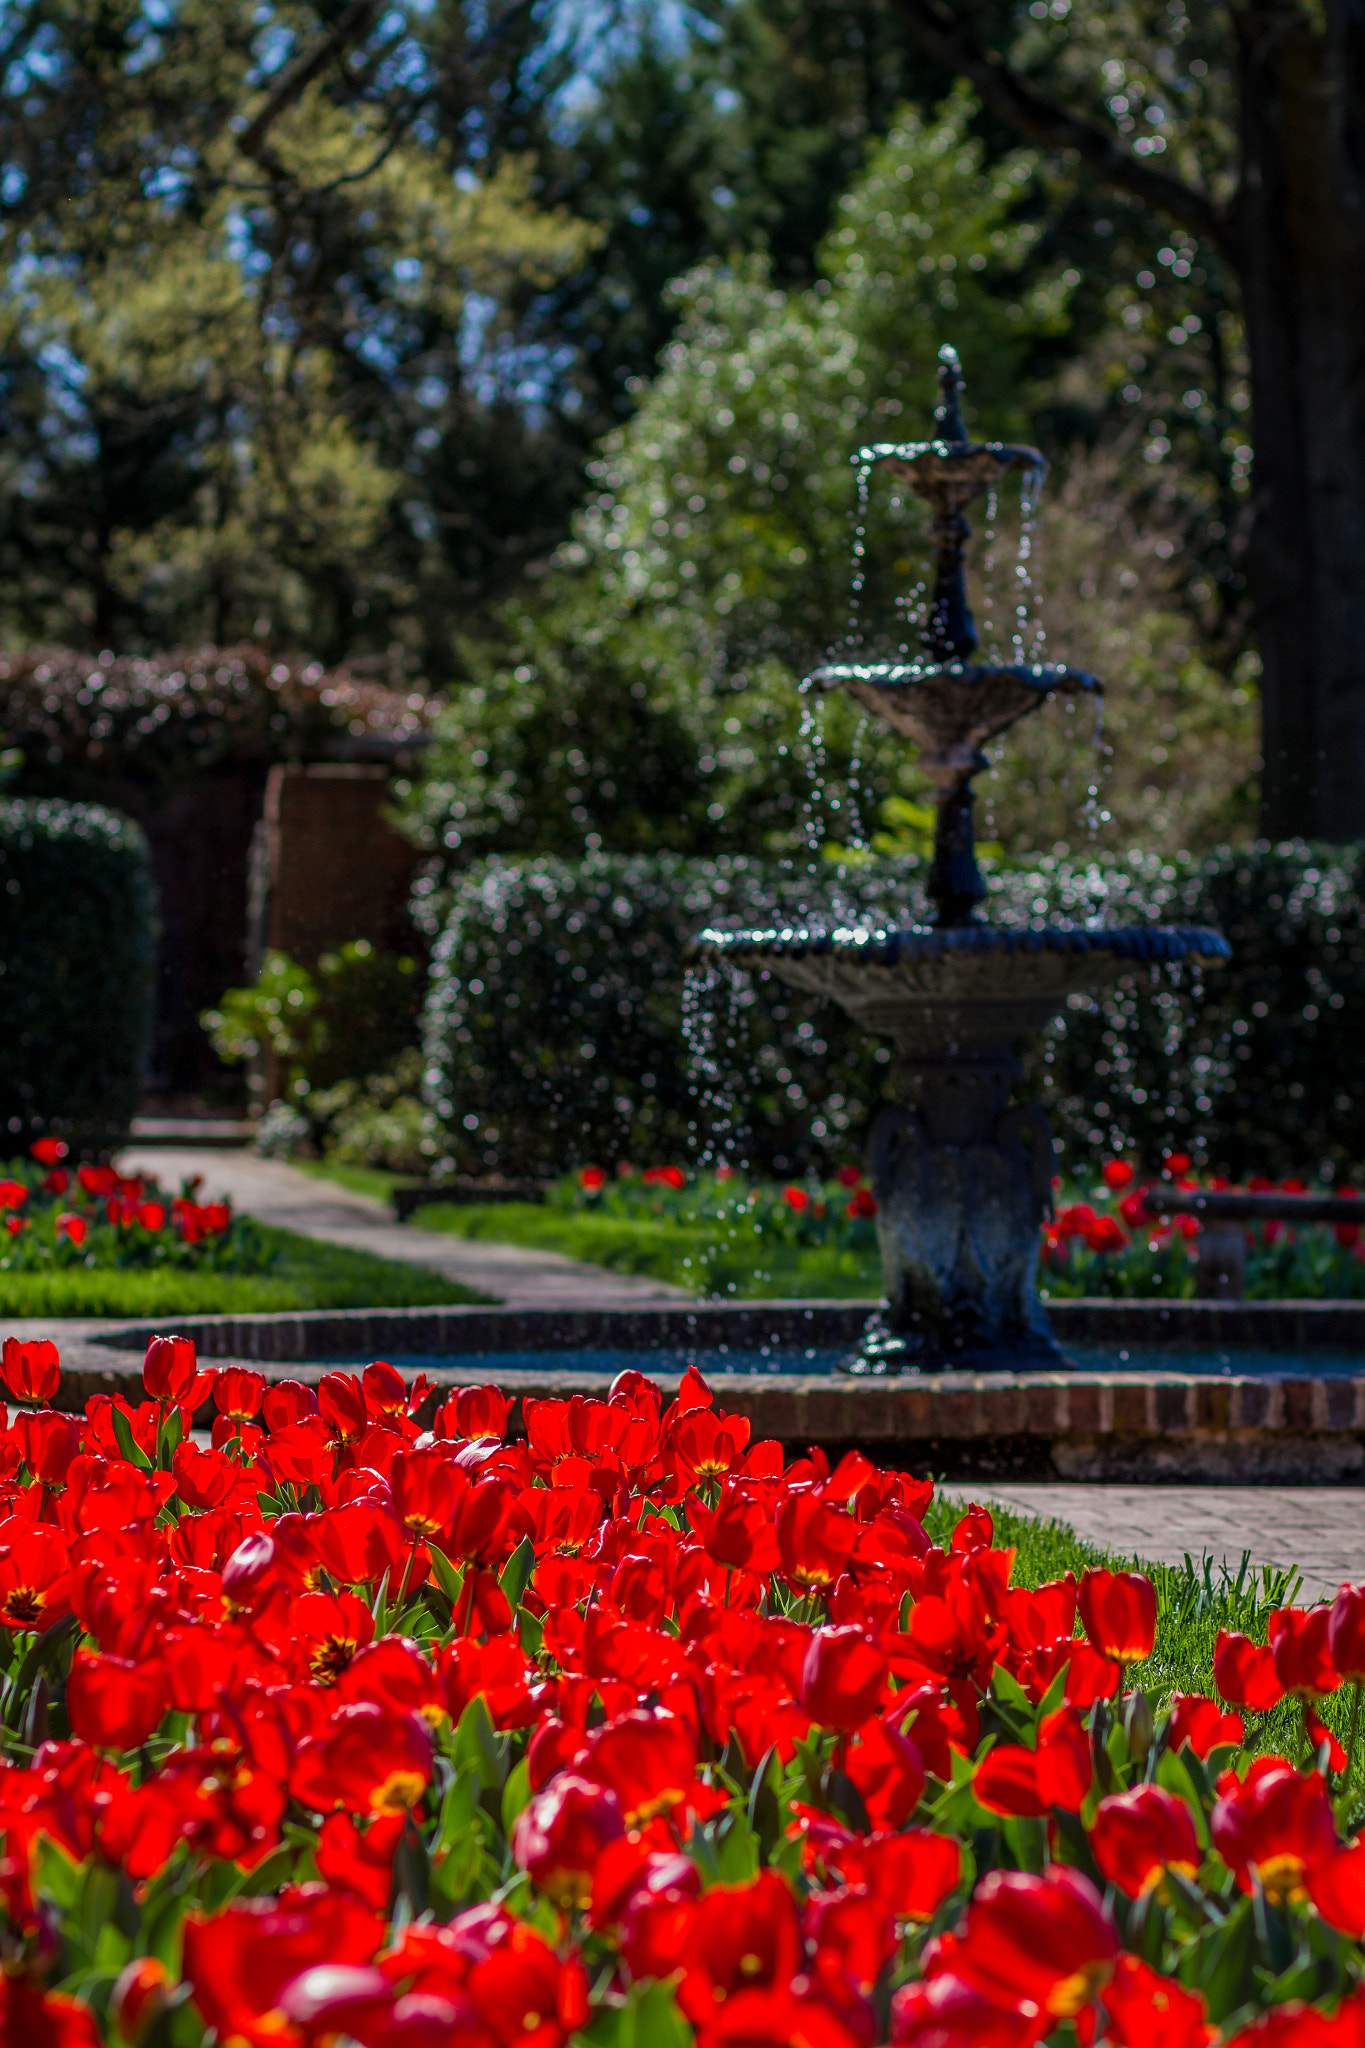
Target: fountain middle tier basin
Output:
[
  {"x": 954, "y": 991},
  {"x": 950, "y": 709}
]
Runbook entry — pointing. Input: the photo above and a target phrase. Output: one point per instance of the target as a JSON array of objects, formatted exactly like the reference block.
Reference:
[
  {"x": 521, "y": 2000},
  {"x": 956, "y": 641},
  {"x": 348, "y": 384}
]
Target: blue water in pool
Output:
[{"x": 794, "y": 1359}]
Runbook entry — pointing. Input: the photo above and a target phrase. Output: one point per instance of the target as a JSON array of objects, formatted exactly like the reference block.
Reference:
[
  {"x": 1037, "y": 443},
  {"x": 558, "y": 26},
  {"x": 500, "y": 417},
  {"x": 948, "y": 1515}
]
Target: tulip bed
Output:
[
  {"x": 628, "y": 1734},
  {"x": 722, "y": 1233}
]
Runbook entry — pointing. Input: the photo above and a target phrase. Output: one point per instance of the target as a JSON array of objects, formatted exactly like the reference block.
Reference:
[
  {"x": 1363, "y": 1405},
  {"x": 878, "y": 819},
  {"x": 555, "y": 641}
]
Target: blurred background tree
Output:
[{"x": 394, "y": 334}]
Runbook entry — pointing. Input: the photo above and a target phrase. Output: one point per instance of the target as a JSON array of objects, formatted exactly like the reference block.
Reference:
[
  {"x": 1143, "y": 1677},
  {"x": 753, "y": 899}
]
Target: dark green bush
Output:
[
  {"x": 77, "y": 966},
  {"x": 553, "y": 1022}
]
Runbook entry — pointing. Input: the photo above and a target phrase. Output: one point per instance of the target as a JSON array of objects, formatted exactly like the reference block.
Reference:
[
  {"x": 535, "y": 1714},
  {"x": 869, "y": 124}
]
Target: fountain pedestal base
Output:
[{"x": 962, "y": 1182}]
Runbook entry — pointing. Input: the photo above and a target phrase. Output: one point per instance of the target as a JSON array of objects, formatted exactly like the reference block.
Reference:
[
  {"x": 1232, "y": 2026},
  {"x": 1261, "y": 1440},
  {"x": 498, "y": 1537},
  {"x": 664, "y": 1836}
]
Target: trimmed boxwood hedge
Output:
[
  {"x": 78, "y": 937},
  {"x": 553, "y": 1021}
]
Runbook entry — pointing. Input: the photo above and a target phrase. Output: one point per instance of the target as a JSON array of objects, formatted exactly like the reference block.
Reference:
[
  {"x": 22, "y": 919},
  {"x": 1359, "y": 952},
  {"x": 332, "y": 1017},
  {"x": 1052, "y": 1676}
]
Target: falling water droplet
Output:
[{"x": 854, "y": 636}]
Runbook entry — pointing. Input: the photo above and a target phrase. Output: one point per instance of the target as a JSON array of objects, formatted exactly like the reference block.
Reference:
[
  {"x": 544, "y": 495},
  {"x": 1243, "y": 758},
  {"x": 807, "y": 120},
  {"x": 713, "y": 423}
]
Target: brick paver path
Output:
[
  {"x": 280, "y": 1194},
  {"x": 1321, "y": 1529}
]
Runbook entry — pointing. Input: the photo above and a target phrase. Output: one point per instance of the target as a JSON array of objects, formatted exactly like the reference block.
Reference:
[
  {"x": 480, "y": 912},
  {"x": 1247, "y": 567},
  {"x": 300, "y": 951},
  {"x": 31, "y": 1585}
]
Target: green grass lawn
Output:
[
  {"x": 304, "y": 1274},
  {"x": 1194, "y": 1600},
  {"x": 361, "y": 1180},
  {"x": 687, "y": 1254}
]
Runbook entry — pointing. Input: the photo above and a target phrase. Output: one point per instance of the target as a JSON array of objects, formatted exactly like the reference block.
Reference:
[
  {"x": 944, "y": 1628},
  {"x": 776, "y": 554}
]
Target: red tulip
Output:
[
  {"x": 947, "y": 2012},
  {"x": 426, "y": 1491},
  {"x": 1337, "y": 1888},
  {"x": 249, "y": 1573},
  {"x": 114, "y": 1703},
  {"x": 1030, "y": 1782},
  {"x": 1137, "y": 1836},
  {"x": 32, "y": 2018},
  {"x": 30, "y": 1369},
  {"x": 742, "y": 1937},
  {"x": 853, "y": 1934},
  {"x": 360, "y": 1862},
  {"x": 286, "y": 1401},
  {"x": 1117, "y": 1174},
  {"x": 524, "y": 1993},
  {"x": 237, "y": 1393},
  {"x": 342, "y": 1405},
  {"x": 170, "y": 1368},
  {"x": 138, "y": 1998},
  {"x": 1346, "y": 1633},
  {"x": 373, "y": 1760},
  {"x": 385, "y": 1389},
  {"x": 648, "y": 1758},
  {"x": 1276, "y": 1823},
  {"x": 48, "y": 1151},
  {"x": 1151, "y": 2010},
  {"x": 1118, "y": 1613},
  {"x": 237, "y": 1962},
  {"x": 330, "y": 1628},
  {"x": 72, "y": 1226},
  {"x": 1244, "y": 1672},
  {"x": 841, "y": 1679},
  {"x": 35, "y": 1580},
  {"x": 1045, "y": 1945},
  {"x": 815, "y": 1541},
  {"x": 1299, "y": 1645},
  {"x": 913, "y": 1871},
  {"x": 1201, "y": 1723},
  {"x": 475, "y": 1412},
  {"x": 562, "y": 1833}
]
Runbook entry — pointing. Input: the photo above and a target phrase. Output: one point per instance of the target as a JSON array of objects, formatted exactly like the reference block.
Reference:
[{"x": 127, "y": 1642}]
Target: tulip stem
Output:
[
  {"x": 1344, "y": 1794},
  {"x": 407, "y": 1573}
]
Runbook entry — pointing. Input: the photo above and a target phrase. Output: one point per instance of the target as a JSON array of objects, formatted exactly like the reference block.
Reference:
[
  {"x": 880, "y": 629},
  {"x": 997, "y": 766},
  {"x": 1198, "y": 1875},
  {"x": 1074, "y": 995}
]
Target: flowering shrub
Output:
[
  {"x": 552, "y": 1020},
  {"x": 840, "y": 1211},
  {"x": 1112, "y": 1244},
  {"x": 53, "y": 1215},
  {"x": 339, "y": 1729}
]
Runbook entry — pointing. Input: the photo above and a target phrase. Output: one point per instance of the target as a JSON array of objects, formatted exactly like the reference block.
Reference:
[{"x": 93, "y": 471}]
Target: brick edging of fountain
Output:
[{"x": 1163, "y": 1424}]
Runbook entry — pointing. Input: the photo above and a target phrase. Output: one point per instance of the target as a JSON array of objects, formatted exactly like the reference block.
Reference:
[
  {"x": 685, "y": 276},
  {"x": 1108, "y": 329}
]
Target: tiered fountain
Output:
[{"x": 962, "y": 1179}]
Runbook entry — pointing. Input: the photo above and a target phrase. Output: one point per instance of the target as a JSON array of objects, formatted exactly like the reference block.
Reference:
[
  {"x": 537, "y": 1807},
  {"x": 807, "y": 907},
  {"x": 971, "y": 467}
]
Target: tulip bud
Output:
[
  {"x": 561, "y": 1834},
  {"x": 139, "y": 1997},
  {"x": 249, "y": 1573},
  {"x": 170, "y": 1368},
  {"x": 1138, "y": 1725}
]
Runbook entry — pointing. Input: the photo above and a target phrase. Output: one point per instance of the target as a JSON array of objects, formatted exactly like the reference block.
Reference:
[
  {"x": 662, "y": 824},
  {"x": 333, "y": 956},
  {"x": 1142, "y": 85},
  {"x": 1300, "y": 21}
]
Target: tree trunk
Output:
[{"x": 1302, "y": 235}]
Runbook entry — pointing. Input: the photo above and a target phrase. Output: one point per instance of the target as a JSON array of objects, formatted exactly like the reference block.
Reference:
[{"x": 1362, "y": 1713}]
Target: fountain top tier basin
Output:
[{"x": 949, "y": 992}]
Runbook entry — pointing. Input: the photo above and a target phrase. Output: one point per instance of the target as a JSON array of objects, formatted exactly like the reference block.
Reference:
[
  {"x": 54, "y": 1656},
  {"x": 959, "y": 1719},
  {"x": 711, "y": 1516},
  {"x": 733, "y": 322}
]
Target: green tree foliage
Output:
[
  {"x": 258, "y": 279},
  {"x": 731, "y": 132},
  {"x": 711, "y": 569}
]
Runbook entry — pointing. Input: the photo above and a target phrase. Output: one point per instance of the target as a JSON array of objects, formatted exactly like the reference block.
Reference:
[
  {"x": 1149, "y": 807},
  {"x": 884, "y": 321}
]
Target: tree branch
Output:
[
  {"x": 348, "y": 28},
  {"x": 938, "y": 29}
]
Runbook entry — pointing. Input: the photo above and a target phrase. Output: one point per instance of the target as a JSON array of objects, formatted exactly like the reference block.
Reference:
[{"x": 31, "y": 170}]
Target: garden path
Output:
[
  {"x": 280, "y": 1194},
  {"x": 1320, "y": 1529}
]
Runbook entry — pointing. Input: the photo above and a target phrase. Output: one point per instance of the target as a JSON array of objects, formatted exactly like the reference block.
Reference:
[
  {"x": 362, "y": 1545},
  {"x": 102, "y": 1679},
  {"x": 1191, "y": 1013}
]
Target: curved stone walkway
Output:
[{"x": 277, "y": 1193}]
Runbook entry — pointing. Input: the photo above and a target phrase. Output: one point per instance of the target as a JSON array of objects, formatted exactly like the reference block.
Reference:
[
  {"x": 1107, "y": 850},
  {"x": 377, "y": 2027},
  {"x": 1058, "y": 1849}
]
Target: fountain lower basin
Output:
[{"x": 961, "y": 1179}]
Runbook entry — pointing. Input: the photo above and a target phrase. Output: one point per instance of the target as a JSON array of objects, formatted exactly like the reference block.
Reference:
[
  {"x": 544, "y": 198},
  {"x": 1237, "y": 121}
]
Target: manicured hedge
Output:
[
  {"x": 77, "y": 965},
  {"x": 553, "y": 1019}
]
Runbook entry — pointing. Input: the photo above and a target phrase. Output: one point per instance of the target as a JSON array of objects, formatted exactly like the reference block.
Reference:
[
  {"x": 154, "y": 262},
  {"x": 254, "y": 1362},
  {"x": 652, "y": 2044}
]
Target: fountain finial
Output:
[{"x": 948, "y": 413}]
